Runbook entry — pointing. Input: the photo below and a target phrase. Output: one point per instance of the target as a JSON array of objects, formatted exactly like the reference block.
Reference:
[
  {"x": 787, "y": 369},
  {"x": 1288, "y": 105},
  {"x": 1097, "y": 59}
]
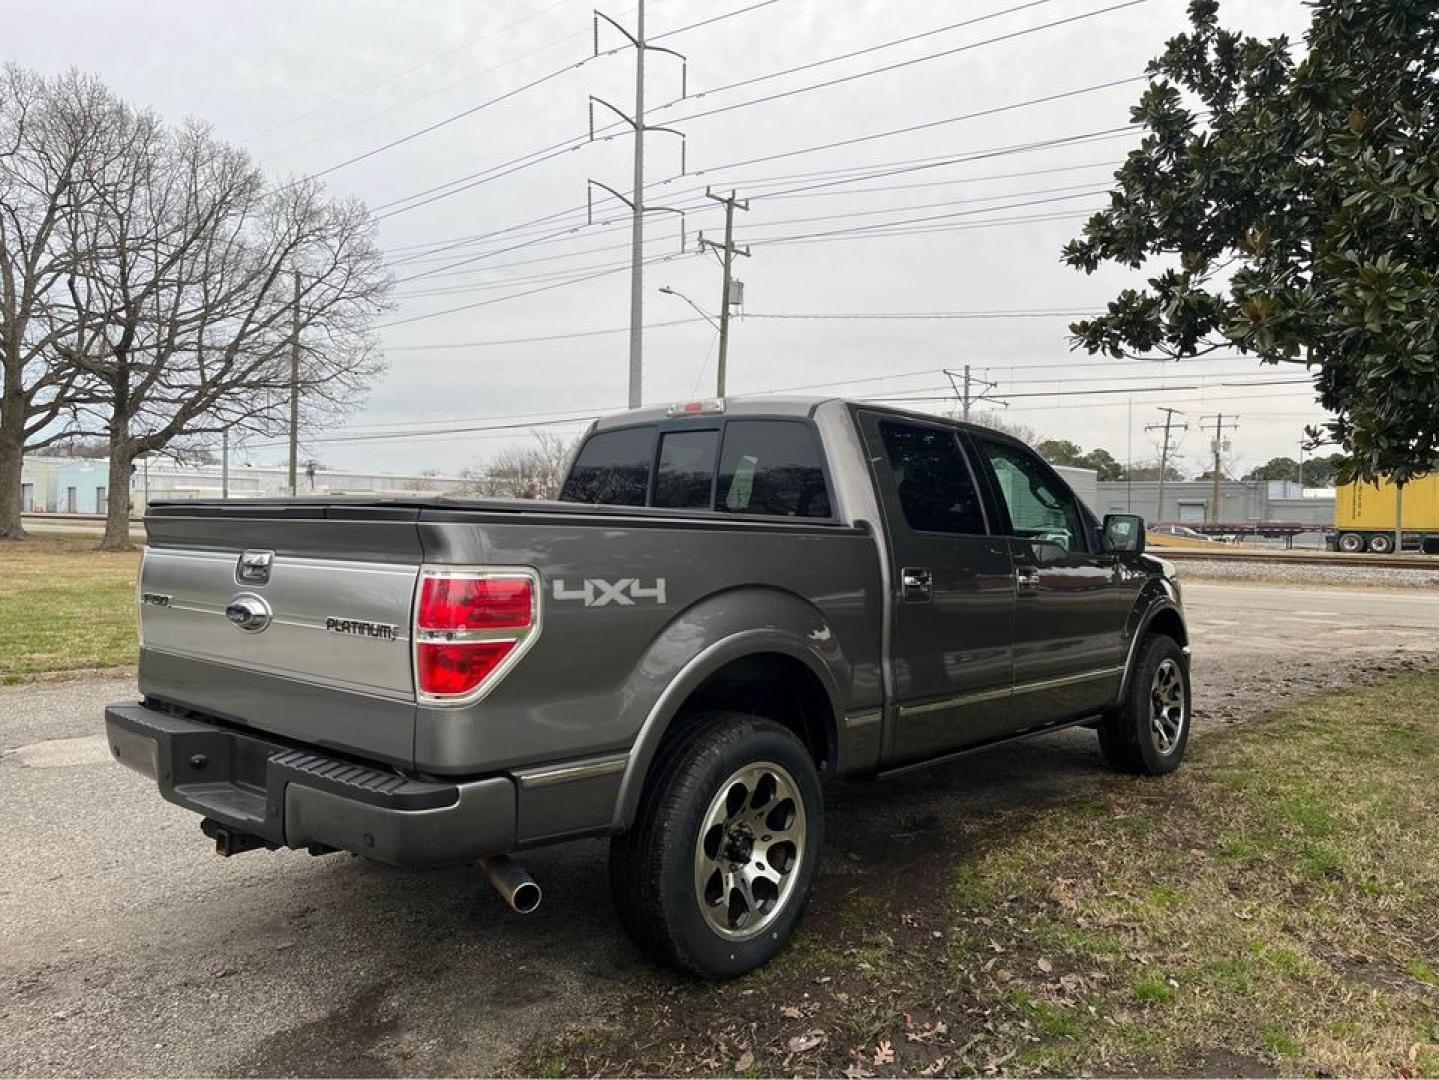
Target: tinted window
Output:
[
  {"x": 687, "y": 467},
  {"x": 1040, "y": 506},
  {"x": 935, "y": 488},
  {"x": 771, "y": 467},
  {"x": 613, "y": 467}
]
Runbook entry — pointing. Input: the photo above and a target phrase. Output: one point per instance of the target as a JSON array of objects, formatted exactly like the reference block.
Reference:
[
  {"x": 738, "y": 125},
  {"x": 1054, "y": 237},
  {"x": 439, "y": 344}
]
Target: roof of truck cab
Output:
[
  {"x": 777, "y": 405},
  {"x": 747, "y": 406}
]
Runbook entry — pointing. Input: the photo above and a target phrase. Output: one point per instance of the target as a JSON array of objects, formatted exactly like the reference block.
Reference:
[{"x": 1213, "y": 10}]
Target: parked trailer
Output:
[{"x": 1366, "y": 516}]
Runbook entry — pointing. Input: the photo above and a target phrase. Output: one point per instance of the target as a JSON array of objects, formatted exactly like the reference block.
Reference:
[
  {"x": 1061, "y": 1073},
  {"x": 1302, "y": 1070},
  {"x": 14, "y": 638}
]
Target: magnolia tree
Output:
[{"x": 1288, "y": 201}]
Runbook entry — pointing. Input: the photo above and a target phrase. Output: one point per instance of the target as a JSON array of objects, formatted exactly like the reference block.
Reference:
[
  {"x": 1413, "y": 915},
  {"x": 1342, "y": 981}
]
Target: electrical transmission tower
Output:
[
  {"x": 1167, "y": 427},
  {"x": 1219, "y": 445},
  {"x": 970, "y": 390},
  {"x": 636, "y": 199},
  {"x": 731, "y": 292}
]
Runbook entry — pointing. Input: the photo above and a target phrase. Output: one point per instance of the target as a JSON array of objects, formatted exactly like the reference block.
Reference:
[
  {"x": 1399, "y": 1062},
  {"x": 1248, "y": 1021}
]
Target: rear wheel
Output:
[
  {"x": 1148, "y": 733},
  {"x": 1353, "y": 543},
  {"x": 716, "y": 870},
  {"x": 1381, "y": 543}
]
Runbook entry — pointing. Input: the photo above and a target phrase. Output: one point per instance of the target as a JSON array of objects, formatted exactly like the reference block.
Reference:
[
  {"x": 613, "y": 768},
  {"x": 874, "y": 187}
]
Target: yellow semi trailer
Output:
[{"x": 1366, "y": 515}]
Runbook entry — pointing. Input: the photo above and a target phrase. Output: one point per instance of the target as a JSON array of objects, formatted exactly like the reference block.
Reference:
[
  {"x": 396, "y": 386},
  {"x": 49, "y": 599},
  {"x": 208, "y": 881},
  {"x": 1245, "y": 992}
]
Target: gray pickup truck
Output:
[{"x": 729, "y": 601}]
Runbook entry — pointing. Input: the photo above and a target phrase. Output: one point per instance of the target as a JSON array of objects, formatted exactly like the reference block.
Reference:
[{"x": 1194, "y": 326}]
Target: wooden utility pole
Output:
[
  {"x": 1218, "y": 446},
  {"x": 1168, "y": 427},
  {"x": 970, "y": 390},
  {"x": 294, "y": 382},
  {"x": 726, "y": 256}
]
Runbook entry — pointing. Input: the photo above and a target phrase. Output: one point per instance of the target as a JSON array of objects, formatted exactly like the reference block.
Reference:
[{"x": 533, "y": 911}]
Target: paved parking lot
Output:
[{"x": 127, "y": 947}]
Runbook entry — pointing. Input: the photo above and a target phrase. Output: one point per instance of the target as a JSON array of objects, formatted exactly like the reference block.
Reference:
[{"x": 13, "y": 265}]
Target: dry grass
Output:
[
  {"x": 1268, "y": 909},
  {"x": 64, "y": 607}
]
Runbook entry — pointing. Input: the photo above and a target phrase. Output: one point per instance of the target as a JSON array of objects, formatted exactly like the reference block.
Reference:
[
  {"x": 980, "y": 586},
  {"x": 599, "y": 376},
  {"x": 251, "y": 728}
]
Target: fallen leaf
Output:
[
  {"x": 934, "y": 1067},
  {"x": 745, "y": 1062},
  {"x": 801, "y": 1044},
  {"x": 857, "y": 1072},
  {"x": 1044, "y": 965},
  {"x": 884, "y": 1053},
  {"x": 792, "y": 1012}
]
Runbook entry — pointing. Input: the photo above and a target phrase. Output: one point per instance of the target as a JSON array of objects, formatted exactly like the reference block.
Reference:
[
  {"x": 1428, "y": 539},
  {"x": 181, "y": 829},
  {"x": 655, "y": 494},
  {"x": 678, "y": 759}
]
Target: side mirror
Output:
[{"x": 1123, "y": 534}]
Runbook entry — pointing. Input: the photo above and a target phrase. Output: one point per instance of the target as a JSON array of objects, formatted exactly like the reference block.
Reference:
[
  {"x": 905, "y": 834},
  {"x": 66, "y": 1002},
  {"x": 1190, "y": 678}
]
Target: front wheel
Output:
[
  {"x": 716, "y": 870},
  {"x": 1148, "y": 733}
]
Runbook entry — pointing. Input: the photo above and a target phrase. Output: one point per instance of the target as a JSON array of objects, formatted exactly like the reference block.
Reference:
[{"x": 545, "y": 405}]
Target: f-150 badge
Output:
[{"x": 597, "y": 592}]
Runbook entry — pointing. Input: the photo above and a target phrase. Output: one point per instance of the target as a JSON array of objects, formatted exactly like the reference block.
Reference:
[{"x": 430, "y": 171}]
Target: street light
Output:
[{"x": 703, "y": 313}]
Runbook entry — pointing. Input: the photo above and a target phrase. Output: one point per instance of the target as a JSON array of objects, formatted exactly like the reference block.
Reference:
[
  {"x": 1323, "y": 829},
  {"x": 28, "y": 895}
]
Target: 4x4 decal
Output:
[{"x": 597, "y": 592}]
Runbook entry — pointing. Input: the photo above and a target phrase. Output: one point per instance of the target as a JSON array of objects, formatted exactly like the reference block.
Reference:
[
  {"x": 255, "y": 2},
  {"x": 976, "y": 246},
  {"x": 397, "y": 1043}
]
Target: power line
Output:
[
  {"x": 532, "y": 340},
  {"x": 847, "y": 174},
  {"x": 781, "y": 94},
  {"x": 518, "y": 295},
  {"x": 524, "y": 161}
]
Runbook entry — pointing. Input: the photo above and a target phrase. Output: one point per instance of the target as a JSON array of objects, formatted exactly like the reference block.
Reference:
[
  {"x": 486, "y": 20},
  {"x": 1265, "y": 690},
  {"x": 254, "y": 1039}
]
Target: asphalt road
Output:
[{"x": 127, "y": 947}]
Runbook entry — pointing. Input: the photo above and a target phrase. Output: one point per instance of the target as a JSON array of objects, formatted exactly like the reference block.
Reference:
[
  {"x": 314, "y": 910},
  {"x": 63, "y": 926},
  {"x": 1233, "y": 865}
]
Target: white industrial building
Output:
[{"x": 56, "y": 485}]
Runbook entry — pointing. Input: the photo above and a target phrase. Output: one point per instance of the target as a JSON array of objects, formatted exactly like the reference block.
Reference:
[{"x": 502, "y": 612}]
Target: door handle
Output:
[
  {"x": 1026, "y": 580},
  {"x": 917, "y": 582}
]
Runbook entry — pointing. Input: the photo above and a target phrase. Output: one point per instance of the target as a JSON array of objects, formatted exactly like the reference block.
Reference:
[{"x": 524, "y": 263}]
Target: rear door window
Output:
[
  {"x": 771, "y": 467},
  {"x": 932, "y": 479},
  {"x": 613, "y": 468},
  {"x": 686, "y": 469}
]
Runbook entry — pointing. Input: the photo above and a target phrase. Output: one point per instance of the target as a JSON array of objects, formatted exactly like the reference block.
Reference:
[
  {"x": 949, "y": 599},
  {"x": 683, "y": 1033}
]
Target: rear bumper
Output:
[{"x": 298, "y": 799}]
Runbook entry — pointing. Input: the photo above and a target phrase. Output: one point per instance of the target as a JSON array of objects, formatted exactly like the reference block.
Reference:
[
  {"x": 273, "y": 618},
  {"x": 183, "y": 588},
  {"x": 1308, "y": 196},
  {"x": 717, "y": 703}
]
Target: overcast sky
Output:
[{"x": 306, "y": 86}]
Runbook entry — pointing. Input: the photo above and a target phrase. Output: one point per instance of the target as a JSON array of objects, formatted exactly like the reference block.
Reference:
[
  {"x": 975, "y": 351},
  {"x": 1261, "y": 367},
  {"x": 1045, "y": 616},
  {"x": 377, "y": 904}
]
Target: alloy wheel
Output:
[{"x": 748, "y": 854}]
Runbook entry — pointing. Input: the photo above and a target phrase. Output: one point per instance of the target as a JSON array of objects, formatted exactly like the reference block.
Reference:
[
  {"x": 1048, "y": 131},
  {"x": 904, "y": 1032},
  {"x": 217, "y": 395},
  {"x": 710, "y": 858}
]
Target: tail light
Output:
[{"x": 471, "y": 626}]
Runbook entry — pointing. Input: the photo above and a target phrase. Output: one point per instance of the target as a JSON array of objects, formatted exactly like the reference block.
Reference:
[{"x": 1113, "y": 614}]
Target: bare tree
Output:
[
  {"x": 54, "y": 135},
  {"x": 208, "y": 303},
  {"x": 998, "y": 421},
  {"x": 525, "y": 472}
]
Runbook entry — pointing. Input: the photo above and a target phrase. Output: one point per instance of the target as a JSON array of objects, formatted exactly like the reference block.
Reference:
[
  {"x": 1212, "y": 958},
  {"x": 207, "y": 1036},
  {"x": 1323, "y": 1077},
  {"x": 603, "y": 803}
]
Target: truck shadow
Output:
[{"x": 434, "y": 974}]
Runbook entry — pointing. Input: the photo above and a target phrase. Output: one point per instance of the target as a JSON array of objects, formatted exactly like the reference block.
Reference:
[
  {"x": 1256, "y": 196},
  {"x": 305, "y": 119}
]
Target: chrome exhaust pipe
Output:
[{"x": 513, "y": 883}]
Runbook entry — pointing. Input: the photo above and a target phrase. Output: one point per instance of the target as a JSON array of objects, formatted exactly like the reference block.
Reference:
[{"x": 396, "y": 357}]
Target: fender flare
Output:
[
  {"x": 1159, "y": 604},
  {"x": 710, "y": 659}
]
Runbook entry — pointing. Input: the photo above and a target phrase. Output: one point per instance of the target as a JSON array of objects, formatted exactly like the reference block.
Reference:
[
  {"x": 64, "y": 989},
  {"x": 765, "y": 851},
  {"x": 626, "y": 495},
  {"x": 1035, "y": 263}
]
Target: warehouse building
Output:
[
  {"x": 53, "y": 485},
  {"x": 1241, "y": 502}
]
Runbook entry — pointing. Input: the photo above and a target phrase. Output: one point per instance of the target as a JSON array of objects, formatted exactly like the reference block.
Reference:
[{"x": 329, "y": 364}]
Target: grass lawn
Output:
[
  {"x": 1271, "y": 908},
  {"x": 65, "y": 606}
]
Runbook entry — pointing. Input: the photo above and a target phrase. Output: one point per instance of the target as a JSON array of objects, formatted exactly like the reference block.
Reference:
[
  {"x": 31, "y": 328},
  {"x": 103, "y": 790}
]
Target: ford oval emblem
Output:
[{"x": 249, "y": 612}]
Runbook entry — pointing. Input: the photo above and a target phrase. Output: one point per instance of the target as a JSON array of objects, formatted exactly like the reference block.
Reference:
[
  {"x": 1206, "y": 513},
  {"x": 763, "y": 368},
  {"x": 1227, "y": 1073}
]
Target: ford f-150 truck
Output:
[{"x": 729, "y": 601}]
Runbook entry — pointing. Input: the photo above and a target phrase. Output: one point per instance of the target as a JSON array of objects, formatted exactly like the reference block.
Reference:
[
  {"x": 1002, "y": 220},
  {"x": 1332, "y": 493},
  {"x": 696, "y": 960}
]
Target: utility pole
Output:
[
  {"x": 970, "y": 390},
  {"x": 225, "y": 464},
  {"x": 636, "y": 199},
  {"x": 1168, "y": 427},
  {"x": 727, "y": 254},
  {"x": 1218, "y": 445},
  {"x": 294, "y": 382}
]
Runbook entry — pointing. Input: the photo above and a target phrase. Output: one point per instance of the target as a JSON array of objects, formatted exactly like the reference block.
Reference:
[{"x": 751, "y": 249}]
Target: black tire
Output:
[
  {"x": 1353, "y": 543},
  {"x": 1127, "y": 734},
  {"x": 653, "y": 864},
  {"x": 1381, "y": 543}
]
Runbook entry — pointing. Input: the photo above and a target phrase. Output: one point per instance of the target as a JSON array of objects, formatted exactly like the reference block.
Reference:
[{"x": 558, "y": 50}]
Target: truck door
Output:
[
  {"x": 1073, "y": 601},
  {"x": 953, "y": 591}
]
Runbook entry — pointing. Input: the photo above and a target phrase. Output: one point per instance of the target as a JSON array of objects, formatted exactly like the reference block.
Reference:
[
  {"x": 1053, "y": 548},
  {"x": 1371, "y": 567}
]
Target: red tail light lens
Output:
[
  {"x": 469, "y": 625},
  {"x": 486, "y": 603},
  {"x": 454, "y": 668}
]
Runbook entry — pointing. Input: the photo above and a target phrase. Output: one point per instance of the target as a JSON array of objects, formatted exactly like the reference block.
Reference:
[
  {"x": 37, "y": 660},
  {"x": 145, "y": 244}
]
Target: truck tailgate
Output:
[{"x": 252, "y": 621}]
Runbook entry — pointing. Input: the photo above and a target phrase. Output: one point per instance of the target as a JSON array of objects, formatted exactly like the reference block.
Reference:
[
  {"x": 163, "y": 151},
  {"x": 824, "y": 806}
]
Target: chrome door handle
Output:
[
  {"x": 1026, "y": 581},
  {"x": 917, "y": 582}
]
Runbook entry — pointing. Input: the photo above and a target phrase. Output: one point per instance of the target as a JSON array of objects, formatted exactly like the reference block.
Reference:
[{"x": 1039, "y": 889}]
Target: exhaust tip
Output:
[
  {"x": 526, "y": 898},
  {"x": 514, "y": 885}
]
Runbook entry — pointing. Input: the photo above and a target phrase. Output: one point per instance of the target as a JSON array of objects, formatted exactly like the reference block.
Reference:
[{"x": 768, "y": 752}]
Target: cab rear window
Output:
[
  {"x": 760, "y": 467},
  {"x": 613, "y": 468},
  {"x": 771, "y": 467}
]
